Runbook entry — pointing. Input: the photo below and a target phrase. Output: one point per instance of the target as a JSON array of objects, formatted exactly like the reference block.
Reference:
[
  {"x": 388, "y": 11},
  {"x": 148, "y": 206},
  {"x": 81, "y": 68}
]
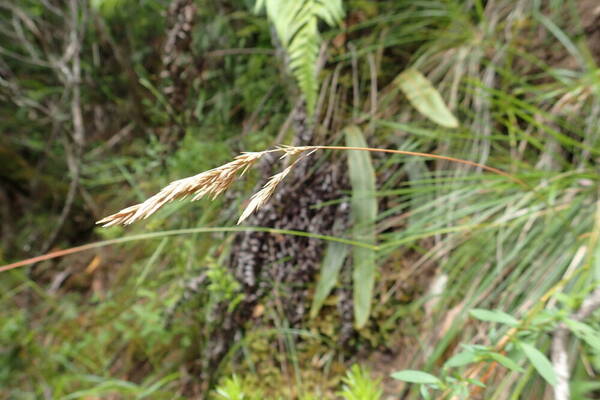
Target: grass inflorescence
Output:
[{"x": 216, "y": 181}]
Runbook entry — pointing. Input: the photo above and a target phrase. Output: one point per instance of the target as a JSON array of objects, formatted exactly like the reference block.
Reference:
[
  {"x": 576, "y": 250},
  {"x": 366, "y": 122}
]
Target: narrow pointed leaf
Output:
[
  {"x": 494, "y": 316},
  {"x": 505, "y": 361},
  {"x": 335, "y": 254},
  {"x": 425, "y": 98},
  {"x": 415, "y": 377},
  {"x": 584, "y": 332},
  {"x": 540, "y": 362},
  {"x": 463, "y": 358},
  {"x": 364, "y": 213}
]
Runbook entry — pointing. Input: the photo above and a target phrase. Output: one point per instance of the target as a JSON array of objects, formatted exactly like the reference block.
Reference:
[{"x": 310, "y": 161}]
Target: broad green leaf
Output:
[
  {"x": 540, "y": 362},
  {"x": 335, "y": 254},
  {"x": 494, "y": 316},
  {"x": 364, "y": 213},
  {"x": 425, "y": 98},
  {"x": 413, "y": 376},
  {"x": 460, "y": 359},
  {"x": 507, "y": 362},
  {"x": 584, "y": 332}
]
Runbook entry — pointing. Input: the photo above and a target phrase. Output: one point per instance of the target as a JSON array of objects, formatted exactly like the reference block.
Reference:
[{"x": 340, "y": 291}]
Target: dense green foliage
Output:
[{"x": 471, "y": 284}]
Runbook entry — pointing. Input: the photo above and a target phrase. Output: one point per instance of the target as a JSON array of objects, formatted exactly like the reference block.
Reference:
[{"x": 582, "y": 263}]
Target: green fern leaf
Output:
[{"x": 296, "y": 24}]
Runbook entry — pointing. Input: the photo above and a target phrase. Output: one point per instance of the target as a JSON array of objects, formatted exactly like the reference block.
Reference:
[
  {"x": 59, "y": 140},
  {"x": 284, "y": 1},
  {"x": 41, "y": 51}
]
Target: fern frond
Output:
[{"x": 296, "y": 24}]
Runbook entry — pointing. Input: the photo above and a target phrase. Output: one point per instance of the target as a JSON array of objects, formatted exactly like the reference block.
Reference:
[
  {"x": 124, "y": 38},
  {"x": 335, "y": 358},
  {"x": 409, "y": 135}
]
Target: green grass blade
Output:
[
  {"x": 364, "y": 214},
  {"x": 177, "y": 232}
]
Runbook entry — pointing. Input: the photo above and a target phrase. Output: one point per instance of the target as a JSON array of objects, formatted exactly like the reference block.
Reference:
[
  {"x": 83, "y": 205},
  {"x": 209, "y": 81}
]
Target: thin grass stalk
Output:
[
  {"x": 215, "y": 181},
  {"x": 176, "y": 232}
]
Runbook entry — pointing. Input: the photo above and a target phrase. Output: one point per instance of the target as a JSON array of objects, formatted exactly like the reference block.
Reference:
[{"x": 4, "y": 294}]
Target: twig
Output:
[
  {"x": 560, "y": 362},
  {"x": 590, "y": 304},
  {"x": 73, "y": 79},
  {"x": 112, "y": 142},
  {"x": 560, "y": 356}
]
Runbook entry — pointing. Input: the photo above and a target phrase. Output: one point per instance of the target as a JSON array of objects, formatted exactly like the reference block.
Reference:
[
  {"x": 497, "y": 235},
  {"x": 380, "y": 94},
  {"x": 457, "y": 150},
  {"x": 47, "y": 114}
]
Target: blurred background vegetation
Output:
[{"x": 479, "y": 287}]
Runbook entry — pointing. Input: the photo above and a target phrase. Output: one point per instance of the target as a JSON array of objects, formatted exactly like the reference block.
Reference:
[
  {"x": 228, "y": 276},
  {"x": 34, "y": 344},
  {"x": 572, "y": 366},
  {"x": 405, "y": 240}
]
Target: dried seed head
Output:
[
  {"x": 208, "y": 183},
  {"x": 289, "y": 151},
  {"x": 259, "y": 198}
]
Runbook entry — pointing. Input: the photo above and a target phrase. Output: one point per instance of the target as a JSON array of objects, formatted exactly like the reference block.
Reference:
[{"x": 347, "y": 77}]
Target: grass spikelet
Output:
[
  {"x": 209, "y": 183},
  {"x": 259, "y": 198}
]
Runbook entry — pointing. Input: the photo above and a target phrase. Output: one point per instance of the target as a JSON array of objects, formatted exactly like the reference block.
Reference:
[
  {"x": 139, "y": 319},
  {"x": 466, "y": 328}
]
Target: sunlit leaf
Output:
[
  {"x": 425, "y": 98},
  {"x": 493, "y": 316},
  {"x": 415, "y": 377},
  {"x": 461, "y": 359},
  {"x": 540, "y": 362}
]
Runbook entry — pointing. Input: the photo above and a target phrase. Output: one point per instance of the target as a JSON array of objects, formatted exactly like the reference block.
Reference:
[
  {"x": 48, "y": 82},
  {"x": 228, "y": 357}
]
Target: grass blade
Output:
[
  {"x": 364, "y": 213},
  {"x": 176, "y": 232}
]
